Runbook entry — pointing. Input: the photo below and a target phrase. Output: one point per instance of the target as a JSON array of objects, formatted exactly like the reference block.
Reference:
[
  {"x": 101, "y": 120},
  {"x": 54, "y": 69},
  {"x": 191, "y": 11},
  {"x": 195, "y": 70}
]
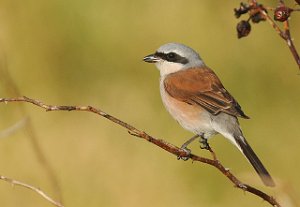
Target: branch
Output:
[
  {"x": 39, "y": 191},
  {"x": 285, "y": 35},
  {"x": 158, "y": 142}
]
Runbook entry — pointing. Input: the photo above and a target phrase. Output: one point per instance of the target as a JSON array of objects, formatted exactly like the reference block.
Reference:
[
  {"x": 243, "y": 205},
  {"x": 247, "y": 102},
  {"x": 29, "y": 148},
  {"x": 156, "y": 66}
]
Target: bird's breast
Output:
[{"x": 191, "y": 117}]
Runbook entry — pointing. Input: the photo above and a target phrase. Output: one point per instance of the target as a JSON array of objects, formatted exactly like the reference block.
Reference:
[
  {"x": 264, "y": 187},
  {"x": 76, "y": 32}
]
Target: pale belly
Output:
[{"x": 191, "y": 117}]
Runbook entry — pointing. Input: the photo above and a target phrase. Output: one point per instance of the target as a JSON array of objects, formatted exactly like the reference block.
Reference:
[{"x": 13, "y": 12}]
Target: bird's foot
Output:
[
  {"x": 188, "y": 152},
  {"x": 204, "y": 144}
]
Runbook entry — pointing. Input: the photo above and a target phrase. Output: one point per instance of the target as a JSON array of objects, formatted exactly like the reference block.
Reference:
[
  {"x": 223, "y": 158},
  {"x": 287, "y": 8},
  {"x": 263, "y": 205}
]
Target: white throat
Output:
[{"x": 165, "y": 68}]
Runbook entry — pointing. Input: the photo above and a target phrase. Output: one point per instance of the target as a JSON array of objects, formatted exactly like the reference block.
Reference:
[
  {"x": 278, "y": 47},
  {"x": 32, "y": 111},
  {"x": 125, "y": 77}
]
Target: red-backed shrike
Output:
[{"x": 196, "y": 98}]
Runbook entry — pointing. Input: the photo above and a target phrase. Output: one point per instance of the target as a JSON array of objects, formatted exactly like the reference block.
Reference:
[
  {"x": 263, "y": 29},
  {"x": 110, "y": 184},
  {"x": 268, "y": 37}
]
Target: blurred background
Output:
[{"x": 89, "y": 52}]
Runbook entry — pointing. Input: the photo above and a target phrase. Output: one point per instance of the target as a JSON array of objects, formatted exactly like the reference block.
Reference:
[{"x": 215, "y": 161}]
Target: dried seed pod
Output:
[
  {"x": 243, "y": 9},
  {"x": 243, "y": 28},
  {"x": 282, "y": 13},
  {"x": 256, "y": 15}
]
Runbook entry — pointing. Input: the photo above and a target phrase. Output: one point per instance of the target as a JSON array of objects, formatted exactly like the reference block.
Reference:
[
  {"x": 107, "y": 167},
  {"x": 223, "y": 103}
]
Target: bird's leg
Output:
[
  {"x": 203, "y": 143},
  {"x": 189, "y": 141},
  {"x": 184, "y": 147}
]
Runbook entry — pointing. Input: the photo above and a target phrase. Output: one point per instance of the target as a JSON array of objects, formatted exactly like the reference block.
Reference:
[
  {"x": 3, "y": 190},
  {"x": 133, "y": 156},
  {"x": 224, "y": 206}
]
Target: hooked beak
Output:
[{"x": 151, "y": 58}]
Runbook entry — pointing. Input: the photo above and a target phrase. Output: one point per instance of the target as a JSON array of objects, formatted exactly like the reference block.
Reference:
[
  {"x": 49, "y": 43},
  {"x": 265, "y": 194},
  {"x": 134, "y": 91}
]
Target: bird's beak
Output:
[{"x": 151, "y": 58}]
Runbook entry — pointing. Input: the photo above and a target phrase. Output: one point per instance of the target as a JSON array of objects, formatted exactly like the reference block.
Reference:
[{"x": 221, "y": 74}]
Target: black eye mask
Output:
[{"x": 172, "y": 57}]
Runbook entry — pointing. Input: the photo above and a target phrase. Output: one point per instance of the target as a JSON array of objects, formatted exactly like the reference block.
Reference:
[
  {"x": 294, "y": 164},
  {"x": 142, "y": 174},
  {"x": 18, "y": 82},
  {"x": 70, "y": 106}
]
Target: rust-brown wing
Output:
[{"x": 201, "y": 86}]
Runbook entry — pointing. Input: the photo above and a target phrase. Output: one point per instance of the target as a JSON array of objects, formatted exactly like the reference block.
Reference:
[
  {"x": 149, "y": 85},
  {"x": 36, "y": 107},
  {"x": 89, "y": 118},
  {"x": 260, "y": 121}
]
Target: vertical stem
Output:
[{"x": 290, "y": 42}]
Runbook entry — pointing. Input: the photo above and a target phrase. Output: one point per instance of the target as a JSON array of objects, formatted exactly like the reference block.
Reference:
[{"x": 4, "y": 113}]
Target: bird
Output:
[{"x": 196, "y": 98}]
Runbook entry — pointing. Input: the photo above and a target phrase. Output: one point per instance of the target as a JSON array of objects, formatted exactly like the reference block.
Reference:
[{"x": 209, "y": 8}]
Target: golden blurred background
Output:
[{"x": 90, "y": 52}]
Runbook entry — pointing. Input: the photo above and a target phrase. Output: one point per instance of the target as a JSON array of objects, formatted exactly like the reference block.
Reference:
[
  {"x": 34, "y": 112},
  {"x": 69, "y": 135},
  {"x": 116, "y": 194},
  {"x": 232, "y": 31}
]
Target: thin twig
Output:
[
  {"x": 158, "y": 142},
  {"x": 37, "y": 190},
  {"x": 273, "y": 24},
  {"x": 290, "y": 42}
]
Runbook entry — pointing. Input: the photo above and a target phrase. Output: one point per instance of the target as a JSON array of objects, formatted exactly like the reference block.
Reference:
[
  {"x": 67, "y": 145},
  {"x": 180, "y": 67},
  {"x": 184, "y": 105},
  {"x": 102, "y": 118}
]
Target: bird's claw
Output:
[
  {"x": 188, "y": 152},
  {"x": 204, "y": 144}
]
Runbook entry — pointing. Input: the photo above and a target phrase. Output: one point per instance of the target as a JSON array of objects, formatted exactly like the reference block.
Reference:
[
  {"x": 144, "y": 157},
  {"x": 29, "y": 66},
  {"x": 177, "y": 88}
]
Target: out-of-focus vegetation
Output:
[{"x": 90, "y": 53}]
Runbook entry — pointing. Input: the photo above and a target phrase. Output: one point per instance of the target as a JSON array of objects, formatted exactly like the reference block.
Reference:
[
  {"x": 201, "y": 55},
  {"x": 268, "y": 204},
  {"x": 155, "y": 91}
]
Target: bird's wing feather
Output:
[{"x": 201, "y": 86}]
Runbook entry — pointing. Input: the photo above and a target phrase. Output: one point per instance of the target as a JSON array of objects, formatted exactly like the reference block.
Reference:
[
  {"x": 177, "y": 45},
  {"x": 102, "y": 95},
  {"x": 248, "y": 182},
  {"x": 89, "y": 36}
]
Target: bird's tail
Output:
[{"x": 255, "y": 162}]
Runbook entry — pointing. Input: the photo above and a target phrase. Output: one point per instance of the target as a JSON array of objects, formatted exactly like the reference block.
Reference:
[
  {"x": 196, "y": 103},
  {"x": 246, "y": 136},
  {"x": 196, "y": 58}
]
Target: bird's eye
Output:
[{"x": 171, "y": 55}]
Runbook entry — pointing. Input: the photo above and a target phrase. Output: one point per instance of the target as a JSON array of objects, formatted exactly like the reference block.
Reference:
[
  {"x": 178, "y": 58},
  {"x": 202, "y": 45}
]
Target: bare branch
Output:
[
  {"x": 273, "y": 24},
  {"x": 158, "y": 142},
  {"x": 37, "y": 190},
  {"x": 290, "y": 42}
]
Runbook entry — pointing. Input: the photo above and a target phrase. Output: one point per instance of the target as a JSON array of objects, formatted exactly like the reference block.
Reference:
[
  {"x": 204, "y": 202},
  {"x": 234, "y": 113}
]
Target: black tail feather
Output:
[{"x": 255, "y": 162}]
